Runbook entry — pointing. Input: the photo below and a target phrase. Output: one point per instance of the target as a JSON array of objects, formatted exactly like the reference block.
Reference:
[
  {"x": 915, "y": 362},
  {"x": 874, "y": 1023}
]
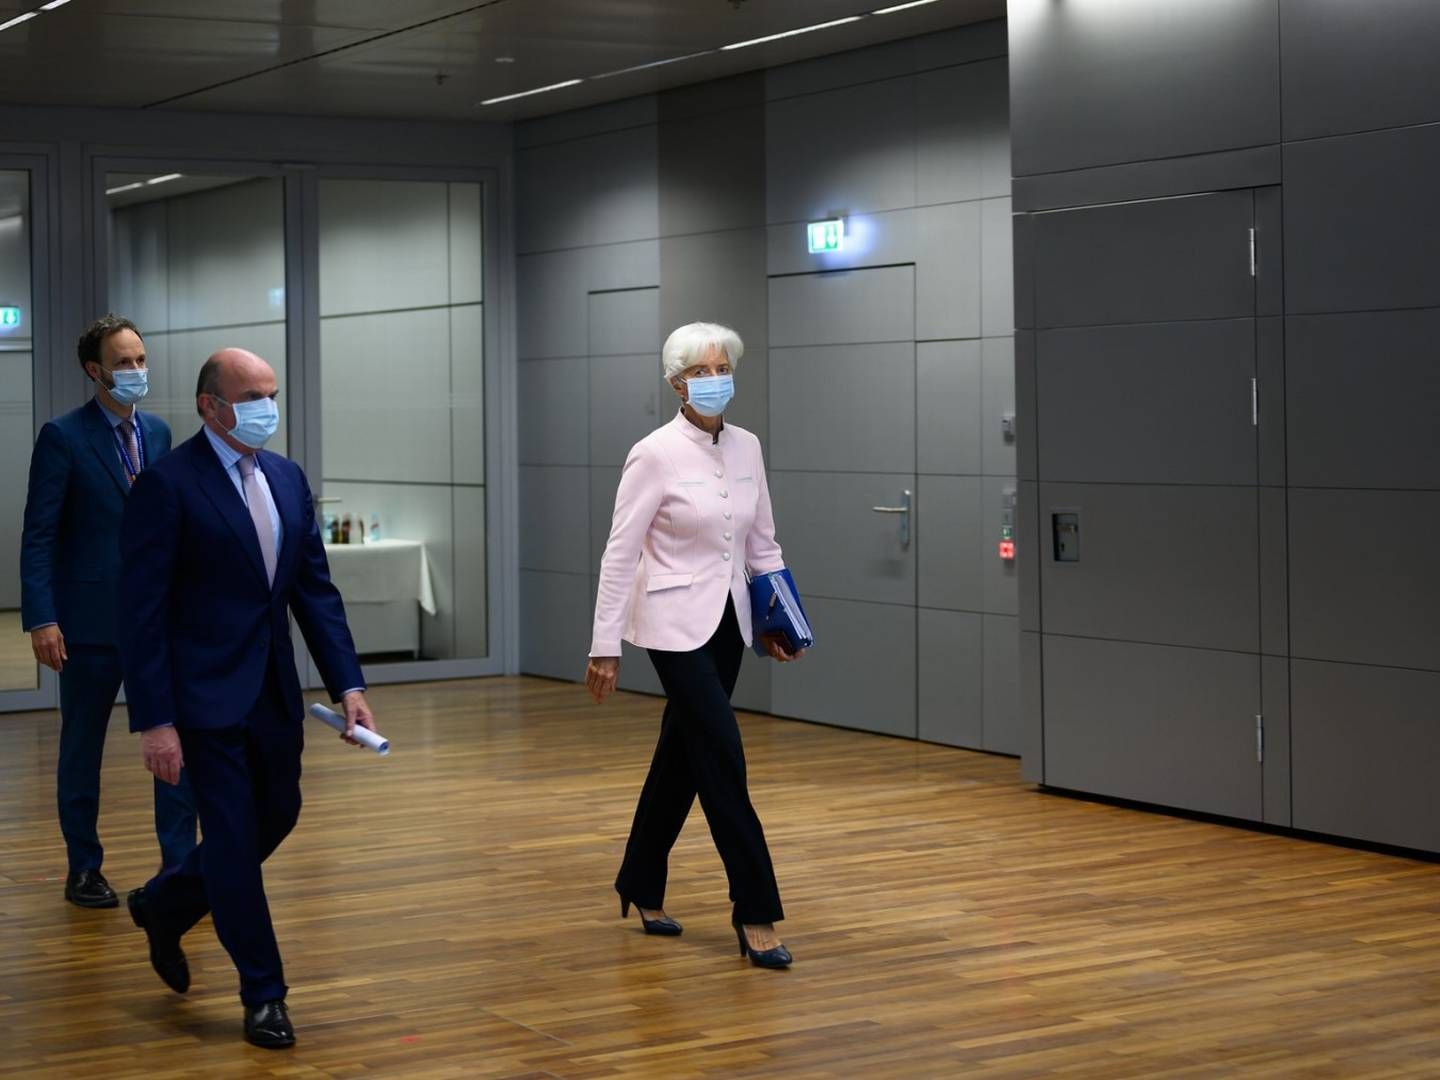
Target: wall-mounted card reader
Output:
[
  {"x": 1007, "y": 426},
  {"x": 1065, "y": 527},
  {"x": 1007, "y": 525}
]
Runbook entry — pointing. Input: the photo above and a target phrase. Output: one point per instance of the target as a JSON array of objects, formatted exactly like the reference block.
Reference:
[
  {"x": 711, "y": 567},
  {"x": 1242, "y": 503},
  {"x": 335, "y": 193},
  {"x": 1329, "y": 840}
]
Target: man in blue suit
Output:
[
  {"x": 220, "y": 542},
  {"x": 80, "y": 474}
]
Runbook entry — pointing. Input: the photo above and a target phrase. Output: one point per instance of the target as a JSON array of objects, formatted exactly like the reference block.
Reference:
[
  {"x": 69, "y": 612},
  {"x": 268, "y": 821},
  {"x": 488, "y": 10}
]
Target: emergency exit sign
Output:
[
  {"x": 826, "y": 235},
  {"x": 9, "y": 318}
]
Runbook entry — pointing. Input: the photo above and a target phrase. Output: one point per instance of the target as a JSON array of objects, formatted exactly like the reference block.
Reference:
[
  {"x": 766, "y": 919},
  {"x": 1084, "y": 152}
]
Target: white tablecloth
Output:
[{"x": 382, "y": 572}]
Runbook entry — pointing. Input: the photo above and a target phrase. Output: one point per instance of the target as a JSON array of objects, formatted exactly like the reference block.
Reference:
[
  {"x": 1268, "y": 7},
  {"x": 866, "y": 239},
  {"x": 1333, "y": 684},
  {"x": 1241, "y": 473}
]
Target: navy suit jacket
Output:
[
  {"x": 203, "y": 626},
  {"x": 70, "y": 547}
]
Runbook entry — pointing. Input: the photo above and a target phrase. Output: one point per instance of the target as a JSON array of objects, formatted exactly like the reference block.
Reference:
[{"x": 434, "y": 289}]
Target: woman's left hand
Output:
[{"x": 775, "y": 646}]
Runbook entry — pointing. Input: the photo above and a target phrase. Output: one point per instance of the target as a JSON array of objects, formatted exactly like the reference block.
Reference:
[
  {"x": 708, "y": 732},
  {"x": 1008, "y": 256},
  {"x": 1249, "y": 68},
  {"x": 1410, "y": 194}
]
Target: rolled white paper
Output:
[{"x": 364, "y": 736}]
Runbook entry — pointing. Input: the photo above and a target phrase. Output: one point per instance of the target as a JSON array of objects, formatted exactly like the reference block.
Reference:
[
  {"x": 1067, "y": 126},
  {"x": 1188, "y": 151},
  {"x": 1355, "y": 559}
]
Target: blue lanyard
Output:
[{"x": 132, "y": 469}]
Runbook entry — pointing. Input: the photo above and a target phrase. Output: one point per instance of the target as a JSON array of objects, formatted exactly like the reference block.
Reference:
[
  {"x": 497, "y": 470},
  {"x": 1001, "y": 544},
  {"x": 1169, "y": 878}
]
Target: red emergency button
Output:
[{"x": 1007, "y": 550}]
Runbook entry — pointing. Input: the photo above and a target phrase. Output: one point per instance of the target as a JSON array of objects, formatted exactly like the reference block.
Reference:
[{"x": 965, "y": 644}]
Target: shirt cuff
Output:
[
  {"x": 39, "y": 626},
  {"x": 352, "y": 690}
]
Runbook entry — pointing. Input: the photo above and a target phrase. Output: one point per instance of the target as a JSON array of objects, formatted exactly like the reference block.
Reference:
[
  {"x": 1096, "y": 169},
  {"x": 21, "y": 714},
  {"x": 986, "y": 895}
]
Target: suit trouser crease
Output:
[
  {"x": 700, "y": 753},
  {"x": 247, "y": 788},
  {"x": 89, "y": 684}
]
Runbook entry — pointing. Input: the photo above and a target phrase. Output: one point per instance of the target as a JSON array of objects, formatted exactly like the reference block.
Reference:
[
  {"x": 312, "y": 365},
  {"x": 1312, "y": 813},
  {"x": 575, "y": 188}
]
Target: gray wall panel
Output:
[
  {"x": 948, "y": 418},
  {"x": 844, "y": 307},
  {"x": 634, "y": 265},
  {"x": 555, "y": 635},
  {"x": 551, "y": 304},
  {"x": 1032, "y": 718},
  {"x": 555, "y": 519},
  {"x": 751, "y": 407},
  {"x": 627, "y": 402},
  {"x": 604, "y": 482},
  {"x": 1086, "y": 79},
  {"x": 1029, "y": 545},
  {"x": 712, "y": 172},
  {"x": 622, "y": 189},
  {"x": 1357, "y": 67},
  {"x": 1274, "y": 572},
  {"x": 1341, "y": 715},
  {"x": 552, "y": 214},
  {"x": 811, "y": 174},
  {"x": 997, "y": 269},
  {"x": 1363, "y": 397},
  {"x": 998, "y": 401},
  {"x": 752, "y": 690},
  {"x": 1224, "y": 170},
  {"x": 1172, "y": 565},
  {"x": 1027, "y": 406},
  {"x": 951, "y": 678},
  {"x": 870, "y": 240},
  {"x": 625, "y": 322},
  {"x": 878, "y": 639},
  {"x": 948, "y": 274},
  {"x": 1022, "y": 243},
  {"x": 1161, "y": 725},
  {"x": 637, "y": 674},
  {"x": 1002, "y": 685},
  {"x": 554, "y": 411},
  {"x": 715, "y": 277},
  {"x": 1159, "y": 403},
  {"x": 1363, "y": 577},
  {"x": 831, "y": 381},
  {"x": 1159, "y": 261},
  {"x": 1270, "y": 364},
  {"x": 948, "y": 536},
  {"x": 1360, "y": 222},
  {"x": 1269, "y": 251},
  {"x": 963, "y": 132},
  {"x": 836, "y": 545},
  {"x": 1275, "y": 706}
]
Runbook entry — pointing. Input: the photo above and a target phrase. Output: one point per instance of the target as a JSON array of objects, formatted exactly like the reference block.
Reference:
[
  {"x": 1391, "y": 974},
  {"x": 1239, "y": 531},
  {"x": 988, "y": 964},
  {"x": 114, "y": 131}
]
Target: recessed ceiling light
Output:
[
  {"x": 18, "y": 19},
  {"x": 791, "y": 33},
  {"x": 124, "y": 187},
  {"x": 901, "y": 7},
  {"x": 53, "y": 4},
  {"x": 504, "y": 59},
  {"x": 537, "y": 90},
  {"x": 654, "y": 64},
  {"x": 164, "y": 179}
]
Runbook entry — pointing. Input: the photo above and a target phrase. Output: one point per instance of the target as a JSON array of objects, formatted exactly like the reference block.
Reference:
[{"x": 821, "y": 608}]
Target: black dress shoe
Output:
[
  {"x": 663, "y": 926},
  {"x": 166, "y": 956},
  {"x": 269, "y": 1026},
  {"x": 88, "y": 888},
  {"x": 776, "y": 958}
]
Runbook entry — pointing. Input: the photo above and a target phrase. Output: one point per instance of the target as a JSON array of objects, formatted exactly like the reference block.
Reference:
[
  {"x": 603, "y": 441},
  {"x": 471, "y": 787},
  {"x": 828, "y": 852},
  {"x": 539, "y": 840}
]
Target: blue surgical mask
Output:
[
  {"x": 709, "y": 395},
  {"x": 255, "y": 421},
  {"x": 128, "y": 385}
]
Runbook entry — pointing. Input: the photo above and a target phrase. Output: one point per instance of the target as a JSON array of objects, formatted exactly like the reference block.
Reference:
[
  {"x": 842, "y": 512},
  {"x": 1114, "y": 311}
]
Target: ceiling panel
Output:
[{"x": 420, "y": 58}]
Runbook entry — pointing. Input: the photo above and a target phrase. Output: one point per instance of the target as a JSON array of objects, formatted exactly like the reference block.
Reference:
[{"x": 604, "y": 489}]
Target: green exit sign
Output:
[
  {"x": 9, "y": 318},
  {"x": 826, "y": 235}
]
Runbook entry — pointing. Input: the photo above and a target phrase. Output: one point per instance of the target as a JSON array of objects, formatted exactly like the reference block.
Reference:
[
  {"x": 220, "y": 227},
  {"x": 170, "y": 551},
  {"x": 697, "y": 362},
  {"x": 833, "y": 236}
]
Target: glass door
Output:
[
  {"x": 24, "y": 407},
  {"x": 403, "y": 418}
]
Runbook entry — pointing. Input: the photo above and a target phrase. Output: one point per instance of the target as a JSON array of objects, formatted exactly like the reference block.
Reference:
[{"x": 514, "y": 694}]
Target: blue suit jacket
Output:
[
  {"x": 203, "y": 626},
  {"x": 70, "y": 547}
]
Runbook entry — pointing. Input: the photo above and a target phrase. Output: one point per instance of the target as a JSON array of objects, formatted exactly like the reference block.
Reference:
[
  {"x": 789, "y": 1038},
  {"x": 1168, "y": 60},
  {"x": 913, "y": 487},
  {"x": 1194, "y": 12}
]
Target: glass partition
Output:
[
  {"x": 402, "y": 363},
  {"x": 18, "y": 670},
  {"x": 198, "y": 263}
]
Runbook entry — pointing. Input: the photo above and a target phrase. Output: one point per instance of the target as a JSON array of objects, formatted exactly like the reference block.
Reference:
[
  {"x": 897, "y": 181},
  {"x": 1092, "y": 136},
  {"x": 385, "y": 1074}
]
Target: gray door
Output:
[
  {"x": 892, "y": 473},
  {"x": 1148, "y": 519}
]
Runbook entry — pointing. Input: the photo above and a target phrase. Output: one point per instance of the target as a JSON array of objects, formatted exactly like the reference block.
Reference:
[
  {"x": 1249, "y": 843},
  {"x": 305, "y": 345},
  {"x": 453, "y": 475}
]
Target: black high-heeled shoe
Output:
[
  {"x": 778, "y": 957},
  {"x": 663, "y": 926}
]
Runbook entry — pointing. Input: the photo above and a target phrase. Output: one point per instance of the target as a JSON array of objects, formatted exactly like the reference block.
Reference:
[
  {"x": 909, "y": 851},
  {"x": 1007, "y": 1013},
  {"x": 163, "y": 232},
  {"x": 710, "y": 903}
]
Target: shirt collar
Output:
[
  {"x": 697, "y": 434},
  {"x": 227, "y": 454},
  {"x": 115, "y": 421}
]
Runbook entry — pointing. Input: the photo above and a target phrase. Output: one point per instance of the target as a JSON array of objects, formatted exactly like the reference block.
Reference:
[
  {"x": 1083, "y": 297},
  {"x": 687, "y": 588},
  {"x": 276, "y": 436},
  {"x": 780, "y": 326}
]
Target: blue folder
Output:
[{"x": 775, "y": 608}]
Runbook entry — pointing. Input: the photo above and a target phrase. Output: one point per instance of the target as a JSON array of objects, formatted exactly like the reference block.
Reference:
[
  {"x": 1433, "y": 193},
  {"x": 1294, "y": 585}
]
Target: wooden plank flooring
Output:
[{"x": 447, "y": 912}]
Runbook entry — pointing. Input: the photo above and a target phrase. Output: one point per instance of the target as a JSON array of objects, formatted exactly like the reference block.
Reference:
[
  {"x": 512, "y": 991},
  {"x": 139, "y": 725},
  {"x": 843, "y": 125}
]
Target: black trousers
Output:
[
  {"x": 699, "y": 753},
  {"x": 247, "y": 789}
]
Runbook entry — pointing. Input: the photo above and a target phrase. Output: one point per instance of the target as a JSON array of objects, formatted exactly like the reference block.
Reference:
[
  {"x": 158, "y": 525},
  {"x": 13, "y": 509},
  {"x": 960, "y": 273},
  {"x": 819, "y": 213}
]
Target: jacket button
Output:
[
  {"x": 724, "y": 494},
  {"x": 725, "y": 555},
  {"x": 729, "y": 536},
  {"x": 727, "y": 515},
  {"x": 719, "y": 473}
]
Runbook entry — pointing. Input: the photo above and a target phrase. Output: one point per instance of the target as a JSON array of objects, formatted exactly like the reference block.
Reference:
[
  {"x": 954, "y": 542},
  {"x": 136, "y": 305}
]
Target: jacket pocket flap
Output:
[{"x": 656, "y": 582}]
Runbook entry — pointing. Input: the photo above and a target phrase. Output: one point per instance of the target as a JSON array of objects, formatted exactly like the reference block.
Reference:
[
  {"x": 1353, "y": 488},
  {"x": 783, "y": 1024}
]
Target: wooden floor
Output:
[{"x": 447, "y": 912}]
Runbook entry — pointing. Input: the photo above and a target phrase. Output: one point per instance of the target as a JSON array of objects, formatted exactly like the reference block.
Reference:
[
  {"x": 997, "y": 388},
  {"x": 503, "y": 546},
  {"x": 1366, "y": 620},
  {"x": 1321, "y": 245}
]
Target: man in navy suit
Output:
[
  {"x": 220, "y": 542},
  {"x": 80, "y": 474}
]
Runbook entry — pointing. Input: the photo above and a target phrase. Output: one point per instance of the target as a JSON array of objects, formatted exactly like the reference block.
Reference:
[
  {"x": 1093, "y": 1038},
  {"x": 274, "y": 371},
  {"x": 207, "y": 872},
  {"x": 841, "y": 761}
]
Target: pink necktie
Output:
[
  {"x": 259, "y": 516},
  {"x": 127, "y": 432}
]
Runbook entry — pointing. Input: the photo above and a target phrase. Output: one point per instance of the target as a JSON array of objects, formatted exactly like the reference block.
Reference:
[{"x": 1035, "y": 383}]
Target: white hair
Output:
[{"x": 686, "y": 346}]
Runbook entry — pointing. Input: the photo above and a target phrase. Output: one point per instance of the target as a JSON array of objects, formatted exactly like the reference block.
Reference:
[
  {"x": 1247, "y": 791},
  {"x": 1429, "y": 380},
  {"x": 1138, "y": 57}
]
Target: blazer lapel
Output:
[
  {"x": 102, "y": 441},
  {"x": 220, "y": 490}
]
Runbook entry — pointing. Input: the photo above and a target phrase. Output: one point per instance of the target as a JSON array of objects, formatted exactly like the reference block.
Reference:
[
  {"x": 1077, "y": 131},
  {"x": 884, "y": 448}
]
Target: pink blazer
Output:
[{"x": 691, "y": 514}]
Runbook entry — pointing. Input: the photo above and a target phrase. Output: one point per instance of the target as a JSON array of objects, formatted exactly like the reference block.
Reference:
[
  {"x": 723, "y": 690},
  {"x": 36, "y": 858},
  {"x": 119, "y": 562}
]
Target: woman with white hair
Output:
[{"x": 692, "y": 512}]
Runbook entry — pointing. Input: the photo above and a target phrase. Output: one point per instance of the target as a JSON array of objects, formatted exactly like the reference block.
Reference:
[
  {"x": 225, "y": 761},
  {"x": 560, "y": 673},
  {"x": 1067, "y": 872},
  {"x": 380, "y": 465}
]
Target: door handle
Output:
[{"x": 904, "y": 511}]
